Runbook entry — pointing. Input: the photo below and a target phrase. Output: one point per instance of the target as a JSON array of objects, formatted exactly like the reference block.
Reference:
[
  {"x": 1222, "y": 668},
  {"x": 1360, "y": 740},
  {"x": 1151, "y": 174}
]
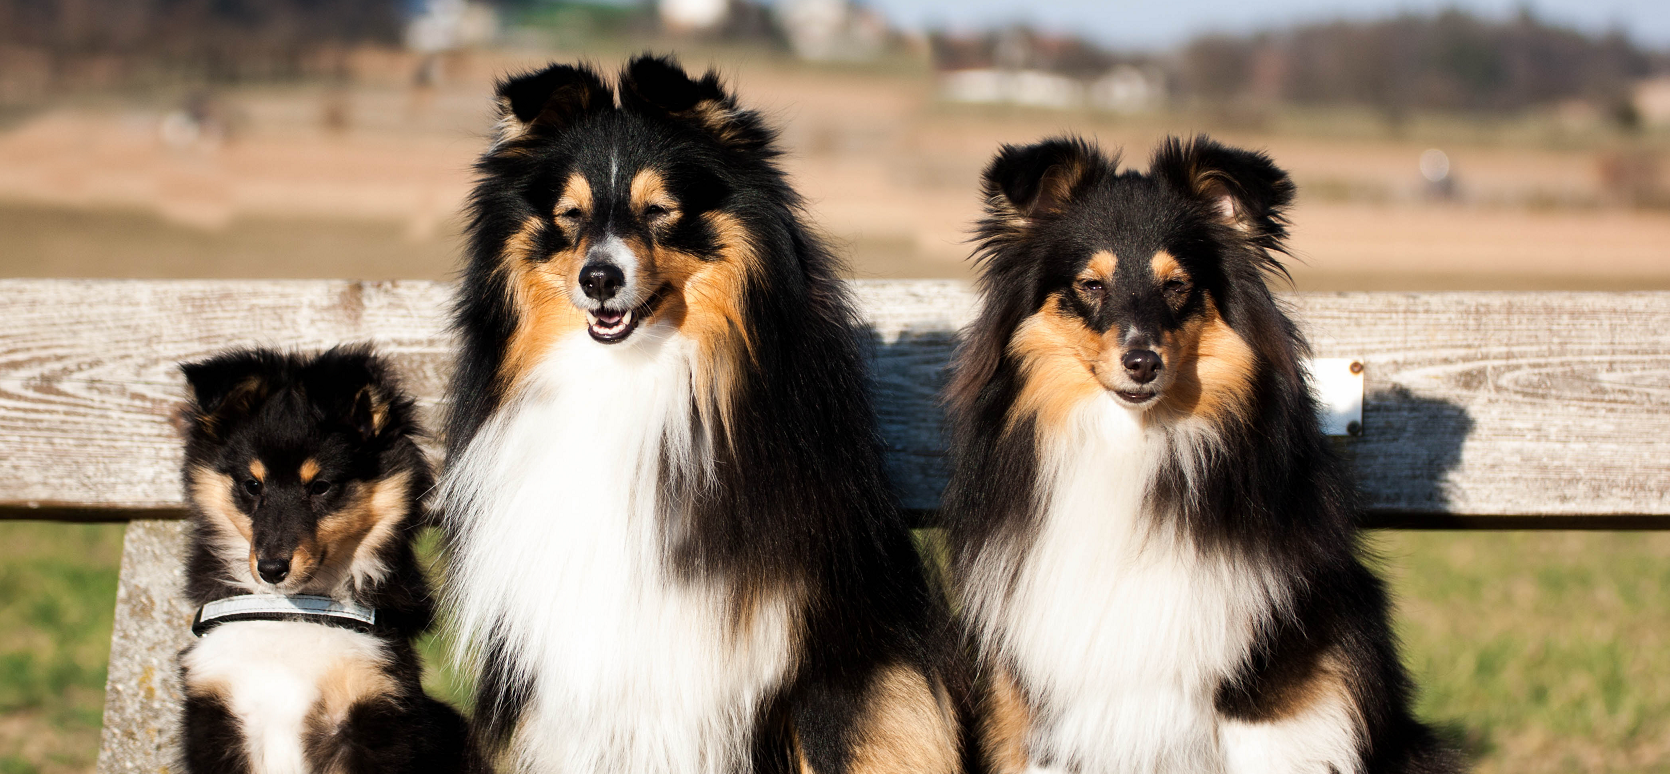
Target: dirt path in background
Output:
[{"x": 890, "y": 174}]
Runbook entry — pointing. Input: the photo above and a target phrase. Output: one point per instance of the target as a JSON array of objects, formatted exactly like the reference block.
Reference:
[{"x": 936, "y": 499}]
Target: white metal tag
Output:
[{"x": 1338, "y": 383}]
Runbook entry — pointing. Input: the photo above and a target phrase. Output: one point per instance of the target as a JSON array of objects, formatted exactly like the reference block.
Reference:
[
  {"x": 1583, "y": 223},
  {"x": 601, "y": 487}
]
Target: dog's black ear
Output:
[
  {"x": 351, "y": 385},
  {"x": 658, "y": 86},
  {"x": 1241, "y": 189},
  {"x": 1026, "y": 182},
  {"x": 554, "y": 97},
  {"x": 227, "y": 387}
]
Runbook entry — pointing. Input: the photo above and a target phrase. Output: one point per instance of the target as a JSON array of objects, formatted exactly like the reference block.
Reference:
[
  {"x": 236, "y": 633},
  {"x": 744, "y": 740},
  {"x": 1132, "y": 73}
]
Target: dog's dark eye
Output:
[
  {"x": 1176, "y": 287},
  {"x": 656, "y": 212},
  {"x": 572, "y": 213},
  {"x": 252, "y": 486},
  {"x": 1091, "y": 287},
  {"x": 318, "y": 487}
]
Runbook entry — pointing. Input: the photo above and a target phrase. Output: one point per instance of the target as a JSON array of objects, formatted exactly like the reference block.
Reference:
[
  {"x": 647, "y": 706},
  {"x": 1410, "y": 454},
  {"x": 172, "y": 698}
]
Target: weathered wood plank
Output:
[
  {"x": 153, "y": 623},
  {"x": 1478, "y": 405}
]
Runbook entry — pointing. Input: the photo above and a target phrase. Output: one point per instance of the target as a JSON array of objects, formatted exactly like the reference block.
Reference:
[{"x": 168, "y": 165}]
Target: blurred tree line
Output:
[
  {"x": 1450, "y": 61},
  {"x": 97, "y": 42}
]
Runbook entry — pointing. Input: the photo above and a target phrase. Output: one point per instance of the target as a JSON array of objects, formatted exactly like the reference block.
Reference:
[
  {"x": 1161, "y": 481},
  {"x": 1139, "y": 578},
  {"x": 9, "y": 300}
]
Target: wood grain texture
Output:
[
  {"x": 1479, "y": 404},
  {"x": 142, "y": 693}
]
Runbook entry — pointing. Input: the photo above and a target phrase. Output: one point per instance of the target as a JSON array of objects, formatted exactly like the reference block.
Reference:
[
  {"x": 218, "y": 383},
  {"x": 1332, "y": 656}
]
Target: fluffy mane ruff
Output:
[
  {"x": 671, "y": 553},
  {"x": 1173, "y": 587}
]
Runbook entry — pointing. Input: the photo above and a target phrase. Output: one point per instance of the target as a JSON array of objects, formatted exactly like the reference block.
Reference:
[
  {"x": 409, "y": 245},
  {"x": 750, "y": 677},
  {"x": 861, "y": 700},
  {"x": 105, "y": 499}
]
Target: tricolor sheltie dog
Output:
[
  {"x": 306, "y": 487},
  {"x": 1152, "y": 541},
  {"x": 673, "y": 549}
]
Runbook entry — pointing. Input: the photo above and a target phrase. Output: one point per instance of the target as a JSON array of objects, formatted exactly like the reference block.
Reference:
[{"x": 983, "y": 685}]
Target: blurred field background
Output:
[{"x": 1433, "y": 151}]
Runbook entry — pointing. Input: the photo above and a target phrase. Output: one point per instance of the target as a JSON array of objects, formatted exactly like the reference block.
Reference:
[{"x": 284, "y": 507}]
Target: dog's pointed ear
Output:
[
  {"x": 554, "y": 97},
  {"x": 658, "y": 86},
  {"x": 353, "y": 386},
  {"x": 1239, "y": 188},
  {"x": 224, "y": 388},
  {"x": 370, "y": 412},
  {"x": 1027, "y": 182}
]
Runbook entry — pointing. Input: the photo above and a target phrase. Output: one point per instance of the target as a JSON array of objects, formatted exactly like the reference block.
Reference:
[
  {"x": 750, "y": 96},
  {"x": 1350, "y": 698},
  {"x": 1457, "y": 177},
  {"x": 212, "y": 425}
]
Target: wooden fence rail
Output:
[{"x": 1481, "y": 410}]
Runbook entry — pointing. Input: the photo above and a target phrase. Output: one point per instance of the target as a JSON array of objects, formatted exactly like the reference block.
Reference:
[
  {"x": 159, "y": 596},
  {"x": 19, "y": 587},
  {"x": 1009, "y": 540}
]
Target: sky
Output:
[{"x": 1158, "y": 25}]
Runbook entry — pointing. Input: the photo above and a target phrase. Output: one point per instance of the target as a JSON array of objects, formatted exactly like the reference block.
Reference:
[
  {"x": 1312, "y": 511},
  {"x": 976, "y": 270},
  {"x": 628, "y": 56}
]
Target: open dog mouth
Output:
[{"x": 612, "y": 326}]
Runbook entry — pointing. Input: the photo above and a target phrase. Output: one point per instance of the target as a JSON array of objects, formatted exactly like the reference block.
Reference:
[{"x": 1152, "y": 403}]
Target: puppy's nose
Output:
[
  {"x": 601, "y": 281},
  {"x": 1142, "y": 364},
  {"x": 273, "y": 570}
]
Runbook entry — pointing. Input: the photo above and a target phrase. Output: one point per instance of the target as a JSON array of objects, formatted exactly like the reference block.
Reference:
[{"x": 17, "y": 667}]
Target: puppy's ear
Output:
[
  {"x": 226, "y": 387},
  {"x": 1241, "y": 189},
  {"x": 657, "y": 86},
  {"x": 554, "y": 97},
  {"x": 351, "y": 385},
  {"x": 1024, "y": 183}
]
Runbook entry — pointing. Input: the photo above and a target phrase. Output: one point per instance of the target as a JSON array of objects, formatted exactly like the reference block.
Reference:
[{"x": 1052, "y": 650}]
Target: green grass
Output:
[
  {"x": 1540, "y": 652},
  {"x": 57, "y": 600},
  {"x": 1546, "y": 652}
]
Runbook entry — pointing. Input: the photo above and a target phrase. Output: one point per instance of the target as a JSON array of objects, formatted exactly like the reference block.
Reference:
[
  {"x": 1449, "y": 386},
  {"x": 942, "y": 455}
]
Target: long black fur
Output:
[
  {"x": 345, "y": 409},
  {"x": 1275, "y": 492},
  {"x": 798, "y": 496}
]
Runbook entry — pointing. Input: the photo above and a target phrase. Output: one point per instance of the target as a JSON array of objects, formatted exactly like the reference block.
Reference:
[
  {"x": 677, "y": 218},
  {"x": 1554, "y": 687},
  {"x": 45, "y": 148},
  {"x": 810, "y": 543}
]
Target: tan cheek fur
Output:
[
  {"x": 540, "y": 286},
  {"x": 1214, "y": 369},
  {"x": 540, "y": 292},
  {"x": 703, "y": 300},
  {"x": 908, "y": 727},
  {"x": 353, "y": 534},
  {"x": 1056, "y": 353},
  {"x": 234, "y": 534}
]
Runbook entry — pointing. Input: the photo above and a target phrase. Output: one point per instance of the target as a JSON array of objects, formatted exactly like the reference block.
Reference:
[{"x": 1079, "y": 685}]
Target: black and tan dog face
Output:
[
  {"x": 1121, "y": 283},
  {"x": 624, "y": 216},
  {"x": 288, "y": 465}
]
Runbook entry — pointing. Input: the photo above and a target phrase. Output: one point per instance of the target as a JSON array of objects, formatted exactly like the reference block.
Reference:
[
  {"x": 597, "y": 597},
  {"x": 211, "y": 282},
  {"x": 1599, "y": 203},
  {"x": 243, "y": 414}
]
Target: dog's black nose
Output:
[
  {"x": 273, "y": 570},
  {"x": 601, "y": 281},
  {"x": 1142, "y": 364}
]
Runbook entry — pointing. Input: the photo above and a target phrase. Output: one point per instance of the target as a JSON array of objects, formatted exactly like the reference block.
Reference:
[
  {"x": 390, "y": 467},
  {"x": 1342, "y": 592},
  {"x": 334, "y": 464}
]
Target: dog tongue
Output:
[{"x": 607, "y": 317}]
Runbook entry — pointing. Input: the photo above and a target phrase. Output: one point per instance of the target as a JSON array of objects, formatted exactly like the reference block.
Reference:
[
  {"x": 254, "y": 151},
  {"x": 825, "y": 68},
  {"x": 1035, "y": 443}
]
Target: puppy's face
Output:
[
  {"x": 1117, "y": 281},
  {"x": 291, "y": 488}
]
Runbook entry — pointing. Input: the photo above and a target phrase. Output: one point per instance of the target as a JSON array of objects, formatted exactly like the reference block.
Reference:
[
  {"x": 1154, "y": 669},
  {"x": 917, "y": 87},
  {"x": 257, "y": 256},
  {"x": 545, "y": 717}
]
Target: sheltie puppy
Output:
[
  {"x": 1152, "y": 541},
  {"x": 673, "y": 548},
  {"x": 305, "y": 488}
]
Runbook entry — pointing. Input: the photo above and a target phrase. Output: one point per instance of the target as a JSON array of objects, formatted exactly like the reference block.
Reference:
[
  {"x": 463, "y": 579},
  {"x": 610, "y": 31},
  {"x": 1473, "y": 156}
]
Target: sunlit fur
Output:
[
  {"x": 1158, "y": 569},
  {"x": 309, "y": 460},
  {"x": 673, "y": 550}
]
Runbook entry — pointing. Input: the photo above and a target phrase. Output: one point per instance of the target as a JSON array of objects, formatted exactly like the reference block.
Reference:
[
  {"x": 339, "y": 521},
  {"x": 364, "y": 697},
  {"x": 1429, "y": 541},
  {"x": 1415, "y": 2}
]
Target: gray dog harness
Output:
[{"x": 306, "y": 608}]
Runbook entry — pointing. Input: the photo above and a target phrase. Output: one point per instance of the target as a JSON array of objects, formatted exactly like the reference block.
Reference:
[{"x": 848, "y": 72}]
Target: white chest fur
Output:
[
  {"x": 562, "y": 547},
  {"x": 1118, "y": 627},
  {"x": 277, "y": 676}
]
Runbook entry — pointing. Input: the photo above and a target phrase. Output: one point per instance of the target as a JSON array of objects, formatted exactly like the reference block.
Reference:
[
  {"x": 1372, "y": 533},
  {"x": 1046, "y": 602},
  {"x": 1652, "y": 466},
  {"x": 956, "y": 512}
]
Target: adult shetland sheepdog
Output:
[
  {"x": 305, "y": 487},
  {"x": 673, "y": 547},
  {"x": 1152, "y": 542}
]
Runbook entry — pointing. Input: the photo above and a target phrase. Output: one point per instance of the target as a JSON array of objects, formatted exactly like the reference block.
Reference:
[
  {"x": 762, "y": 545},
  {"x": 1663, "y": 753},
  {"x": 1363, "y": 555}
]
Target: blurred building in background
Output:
[
  {"x": 1021, "y": 66},
  {"x": 448, "y": 25}
]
